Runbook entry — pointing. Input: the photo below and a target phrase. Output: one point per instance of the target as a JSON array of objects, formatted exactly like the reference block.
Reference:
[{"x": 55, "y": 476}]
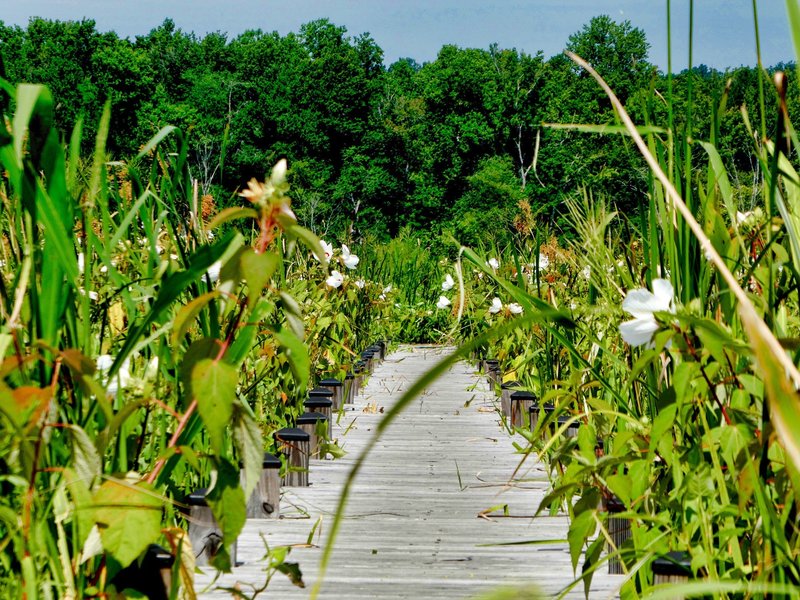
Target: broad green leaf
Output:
[
  {"x": 580, "y": 530},
  {"x": 249, "y": 445},
  {"x": 129, "y": 518},
  {"x": 297, "y": 355},
  {"x": 257, "y": 270},
  {"x": 85, "y": 458},
  {"x": 213, "y": 386},
  {"x": 227, "y": 501}
]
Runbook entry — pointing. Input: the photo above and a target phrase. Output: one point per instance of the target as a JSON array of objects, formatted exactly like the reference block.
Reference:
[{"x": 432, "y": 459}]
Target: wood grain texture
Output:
[{"x": 432, "y": 498}]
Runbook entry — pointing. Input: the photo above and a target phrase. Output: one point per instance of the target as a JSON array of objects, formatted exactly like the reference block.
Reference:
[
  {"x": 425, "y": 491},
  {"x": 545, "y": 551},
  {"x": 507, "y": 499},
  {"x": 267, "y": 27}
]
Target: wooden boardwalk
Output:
[{"x": 414, "y": 525}]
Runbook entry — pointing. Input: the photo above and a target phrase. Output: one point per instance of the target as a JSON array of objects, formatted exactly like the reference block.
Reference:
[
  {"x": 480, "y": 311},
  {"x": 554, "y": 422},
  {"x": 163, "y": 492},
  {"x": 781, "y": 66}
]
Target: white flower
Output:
[
  {"x": 494, "y": 263},
  {"x": 496, "y": 306},
  {"x": 335, "y": 280},
  {"x": 587, "y": 272},
  {"x": 210, "y": 235},
  {"x": 327, "y": 249},
  {"x": 361, "y": 283},
  {"x": 741, "y": 217},
  {"x": 544, "y": 262},
  {"x": 515, "y": 308},
  {"x": 81, "y": 262},
  {"x": 213, "y": 272},
  {"x": 448, "y": 283},
  {"x": 387, "y": 289},
  {"x": 382, "y": 297},
  {"x": 443, "y": 302},
  {"x": 120, "y": 381},
  {"x": 350, "y": 260},
  {"x": 642, "y": 304}
]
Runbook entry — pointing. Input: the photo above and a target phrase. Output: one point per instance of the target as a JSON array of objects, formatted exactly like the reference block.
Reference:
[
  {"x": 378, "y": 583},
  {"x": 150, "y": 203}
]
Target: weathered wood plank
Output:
[{"x": 414, "y": 527}]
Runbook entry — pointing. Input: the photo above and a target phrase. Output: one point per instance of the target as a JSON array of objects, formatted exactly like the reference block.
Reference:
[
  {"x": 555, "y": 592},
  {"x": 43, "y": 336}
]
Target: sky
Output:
[{"x": 723, "y": 29}]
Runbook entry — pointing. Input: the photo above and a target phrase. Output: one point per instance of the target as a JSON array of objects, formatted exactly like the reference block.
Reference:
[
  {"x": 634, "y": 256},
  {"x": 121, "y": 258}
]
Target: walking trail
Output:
[{"x": 431, "y": 515}]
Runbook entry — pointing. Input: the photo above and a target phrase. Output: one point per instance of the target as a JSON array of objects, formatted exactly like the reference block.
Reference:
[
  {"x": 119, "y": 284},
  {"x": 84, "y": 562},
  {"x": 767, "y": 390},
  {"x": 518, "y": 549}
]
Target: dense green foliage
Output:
[{"x": 454, "y": 144}]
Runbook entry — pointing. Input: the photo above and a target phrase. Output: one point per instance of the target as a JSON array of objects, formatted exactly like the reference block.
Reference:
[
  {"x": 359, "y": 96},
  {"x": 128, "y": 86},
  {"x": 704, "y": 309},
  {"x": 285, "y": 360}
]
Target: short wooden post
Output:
[
  {"x": 491, "y": 369},
  {"x": 308, "y": 423},
  {"x": 294, "y": 444},
  {"x": 572, "y": 428},
  {"x": 674, "y": 567},
  {"x": 349, "y": 394},
  {"x": 204, "y": 533},
  {"x": 151, "y": 575},
  {"x": 619, "y": 529},
  {"x": 335, "y": 386},
  {"x": 320, "y": 400},
  {"x": 381, "y": 345},
  {"x": 521, "y": 402},
  {"x": 535, "y": 410},
  {"x": 368, "y": 356},
  {"x": 265, "y": 501},
  {"x": 505, "y": 397},
  {"x": 360, "y": 372}
]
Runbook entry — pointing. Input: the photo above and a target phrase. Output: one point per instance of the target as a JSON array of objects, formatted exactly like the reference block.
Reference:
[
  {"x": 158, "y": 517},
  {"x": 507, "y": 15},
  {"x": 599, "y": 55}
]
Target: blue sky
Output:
[{"x": 418, "y": 28}]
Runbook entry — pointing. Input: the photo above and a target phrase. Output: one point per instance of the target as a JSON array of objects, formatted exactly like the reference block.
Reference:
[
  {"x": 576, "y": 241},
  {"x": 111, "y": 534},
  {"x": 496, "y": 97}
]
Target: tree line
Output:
[{"x": 462, "y": 143}]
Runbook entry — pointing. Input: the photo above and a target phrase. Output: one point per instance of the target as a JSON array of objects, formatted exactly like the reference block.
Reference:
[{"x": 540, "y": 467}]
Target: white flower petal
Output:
[
  {"x": 443, "y": 302},
  {"x": 638, "y": 332},
  {"x": 515, "y": 308},
  {"x": 335, "y": 279},
  {"x": 662, "y": 289},
  {"x": 448, "y": 283},
  {"x": 640, "y": 303},
  {"x": 496, "y": 306},
  {"x": 494, "y": 263}
]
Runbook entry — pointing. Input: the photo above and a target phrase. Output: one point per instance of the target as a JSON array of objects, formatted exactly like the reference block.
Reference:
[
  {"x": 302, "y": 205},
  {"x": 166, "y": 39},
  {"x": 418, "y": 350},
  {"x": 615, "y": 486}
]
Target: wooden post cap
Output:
[
  {"x": 292, "y": 434},
  {"x": 310, "y": 418},
  {"x": 197, "y": 498},
  {"x": 321, "y": 392},
  {"x": 318, "y": 402},
  {"x": 270, "y": 461},
  {"x": 673, "y": 563},
  {"x": 330, "y": 383},
  {"x": 522, "y": 395}
]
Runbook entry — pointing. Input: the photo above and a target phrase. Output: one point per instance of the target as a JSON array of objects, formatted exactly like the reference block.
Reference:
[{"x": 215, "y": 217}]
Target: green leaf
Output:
[
  {"x": 257, "y": 270},
  {"x": 84, "y": 455},
  {"x": 229, "y": 214},
  {"x": 227, "y": 502},
  {"x": 580, "y": 529},
  {"x": 296, "y": 354},
  {"x": 213, "y": 386},
  {"x": 129, "y": 518},
  {"x": 250, "y": 446}
]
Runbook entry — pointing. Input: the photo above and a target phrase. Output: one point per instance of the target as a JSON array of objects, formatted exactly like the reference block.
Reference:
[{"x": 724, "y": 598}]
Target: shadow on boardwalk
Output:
[{"x": 428, "y": 504}]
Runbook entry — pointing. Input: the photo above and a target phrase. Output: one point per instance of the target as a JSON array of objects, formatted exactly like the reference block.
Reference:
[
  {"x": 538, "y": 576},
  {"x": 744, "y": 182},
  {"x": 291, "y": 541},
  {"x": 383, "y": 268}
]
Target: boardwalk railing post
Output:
[
  {"x": 321, "y": 400},
  {"x": 204, "y": 532},
  {"x": 309, "y": 422},
  {"x": 349, "y": 386},
  {"x": 535, "y": 410},
  {"x": 491, "y": 368},
  {"x": 359, "y": 370},
  {"x": 335, "y": 386},
  {"x": 265, "y": 501},
  {"x": 619, "y": 529},
  {"x": 674, "y": 567},
  {"x": 151, "y": 575},
  {"x": 506, "y": 390},
  {"x": 294, "y": 443},
  {"x": 521, "y": 402},
  {"x": 368, "y": 356}
]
